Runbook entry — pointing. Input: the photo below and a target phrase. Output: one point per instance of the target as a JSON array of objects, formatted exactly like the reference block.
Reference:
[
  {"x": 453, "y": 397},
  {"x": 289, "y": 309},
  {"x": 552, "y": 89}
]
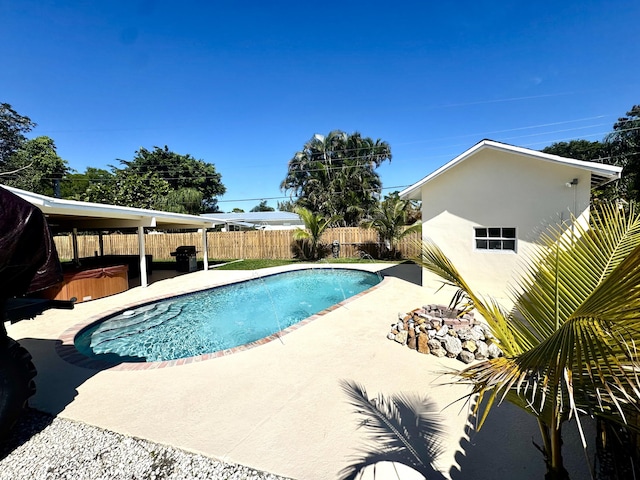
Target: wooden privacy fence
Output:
[{"x": 268, "y": 244}]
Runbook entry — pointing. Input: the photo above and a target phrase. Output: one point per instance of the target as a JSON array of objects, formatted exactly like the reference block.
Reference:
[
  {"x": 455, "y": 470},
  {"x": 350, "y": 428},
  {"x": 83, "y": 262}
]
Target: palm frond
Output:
[
  {"x": 571, "y": 264},
  {"x": 571, "y": 342}
]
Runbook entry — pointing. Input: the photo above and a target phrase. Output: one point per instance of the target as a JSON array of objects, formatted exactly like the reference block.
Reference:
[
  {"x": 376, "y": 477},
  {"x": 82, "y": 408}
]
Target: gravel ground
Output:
[{"x": 45, "y": 447}]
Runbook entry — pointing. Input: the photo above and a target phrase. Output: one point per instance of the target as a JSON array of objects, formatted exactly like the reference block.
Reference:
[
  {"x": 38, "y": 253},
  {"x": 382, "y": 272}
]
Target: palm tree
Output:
[
  {"x": 335, "y": 173},
  {"x": 570, "y": 340},
  {"x": 315, "y": 225},
  {"x": 389, "y": 219}
]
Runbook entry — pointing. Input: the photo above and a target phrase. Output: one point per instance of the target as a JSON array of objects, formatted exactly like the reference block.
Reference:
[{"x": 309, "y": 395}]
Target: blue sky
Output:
[{"x": 244, "y": 85}]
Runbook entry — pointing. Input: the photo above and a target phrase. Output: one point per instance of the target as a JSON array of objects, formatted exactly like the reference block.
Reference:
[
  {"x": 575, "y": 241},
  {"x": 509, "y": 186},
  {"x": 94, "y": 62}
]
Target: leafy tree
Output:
[
  {"x": 578, "y": 149},
  {"x": 389, "y": 219},
  {"x": 178, "y": 171},
  {"x": 35, "y": 166},
  {"x": 570, "y": 341},
  {"x": 335, "y": 175},
  {"x": 13, "y": 127},
  {"x": 315, "y": 225},
  {"x": 624, "y": 147},
  {"x": 263, "y": 207},
  {"x": 592, "y": 152},
  {"x": 185, "y": 200},
  {"x": 75, "y": 186},
  {"x": 130, "y": 190},
  {"x": 287, "y": 206},
  {"x": 237, "y": 210}
]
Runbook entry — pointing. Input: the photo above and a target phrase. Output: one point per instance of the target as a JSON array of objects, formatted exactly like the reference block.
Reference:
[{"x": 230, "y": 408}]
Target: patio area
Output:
[{"x": 278, "y": 407}]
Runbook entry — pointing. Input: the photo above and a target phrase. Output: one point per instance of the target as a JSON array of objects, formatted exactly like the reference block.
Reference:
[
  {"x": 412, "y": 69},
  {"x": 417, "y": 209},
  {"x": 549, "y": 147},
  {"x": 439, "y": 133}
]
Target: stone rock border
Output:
[{"x": 442, "y": 331}]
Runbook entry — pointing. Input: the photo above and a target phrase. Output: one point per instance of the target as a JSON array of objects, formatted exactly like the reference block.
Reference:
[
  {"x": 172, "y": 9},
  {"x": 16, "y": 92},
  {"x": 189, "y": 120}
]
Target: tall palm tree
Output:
[
  {"x": 315, "y": 225},
  {"x": 335, "y": 175},
  {"x": 570, "y": 341},
  {"x": 389, "y": 219}
]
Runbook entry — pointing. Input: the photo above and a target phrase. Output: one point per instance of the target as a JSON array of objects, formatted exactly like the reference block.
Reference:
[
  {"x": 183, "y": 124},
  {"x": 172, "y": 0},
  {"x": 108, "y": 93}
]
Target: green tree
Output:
[
  {"x": 13, "y": 127},
  {"x": 570, "y": 341},
  {"x": 185, "y": 200},
  {"x": 624, "y": 148},
  {"x": 287, "y": 206},
  {"x": 36, "y": 166},
  {"x": 74, "y": 186},
  {"x": 179, "y": 172},
  {"x": 262, "y": 207},
  {"x": 129, "y": 189},
  {"x": 389, "y": 219},
  {"x": 334, "y": 175},
  {"x": 315, "y": 225}
]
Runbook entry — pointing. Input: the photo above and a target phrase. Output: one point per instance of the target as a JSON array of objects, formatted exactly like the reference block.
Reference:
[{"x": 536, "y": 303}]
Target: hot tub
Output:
[{"x": 89, "y": 284}]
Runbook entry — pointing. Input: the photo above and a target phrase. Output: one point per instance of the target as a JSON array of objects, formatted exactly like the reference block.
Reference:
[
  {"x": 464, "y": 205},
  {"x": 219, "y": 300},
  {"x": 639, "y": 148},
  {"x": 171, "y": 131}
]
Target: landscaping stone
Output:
[
  {"x": 440, "y": 331},
  {"x": 494, "y": 351},
  {"x": 452, "y": 345},
  {"x": 466, "y": 357},
  {"x": 470, "y": 345},
  {"x": 401, "y": 337},
  {"x": 423, "y": 344}
]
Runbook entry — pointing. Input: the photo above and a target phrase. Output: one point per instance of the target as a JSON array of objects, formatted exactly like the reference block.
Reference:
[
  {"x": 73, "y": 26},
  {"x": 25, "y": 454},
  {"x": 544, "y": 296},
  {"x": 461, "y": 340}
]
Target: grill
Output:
[{"x": 185, "y": 258}]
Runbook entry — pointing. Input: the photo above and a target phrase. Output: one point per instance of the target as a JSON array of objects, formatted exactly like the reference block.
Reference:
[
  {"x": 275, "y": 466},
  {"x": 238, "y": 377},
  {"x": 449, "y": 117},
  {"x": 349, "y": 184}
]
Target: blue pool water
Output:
[{"x": 219, "y": 318}]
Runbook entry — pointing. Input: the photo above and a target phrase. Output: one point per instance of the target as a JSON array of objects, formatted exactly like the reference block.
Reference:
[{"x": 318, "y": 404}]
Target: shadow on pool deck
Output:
[{"x": 407, "y": 271}]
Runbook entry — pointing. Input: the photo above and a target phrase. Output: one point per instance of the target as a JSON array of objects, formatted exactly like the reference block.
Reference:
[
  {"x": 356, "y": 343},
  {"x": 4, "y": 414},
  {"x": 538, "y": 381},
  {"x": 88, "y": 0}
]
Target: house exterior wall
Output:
[{"x": 498, "y": 189}]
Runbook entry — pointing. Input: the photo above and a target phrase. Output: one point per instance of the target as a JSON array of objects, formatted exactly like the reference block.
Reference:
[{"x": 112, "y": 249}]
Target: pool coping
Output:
[{"x": 67, "y": 351}]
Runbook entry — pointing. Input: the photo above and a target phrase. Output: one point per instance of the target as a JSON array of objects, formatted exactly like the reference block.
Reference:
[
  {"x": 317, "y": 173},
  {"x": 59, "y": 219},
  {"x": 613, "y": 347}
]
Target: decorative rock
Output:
[
  {"x": 453, "y": 332},
  {"x": 432, "y": 333},
  {"x": 464, "y": 333},
  {"x": 401, "y": 337},
  {"x": 400, "y": 326},
  {"x": 391, "y": 336},
  {"x": 452, "y": 345},
  {"x": 478, "y": 332},
  {"x": 494, "y": 351},
  {"x": 442, "y": 332},
  {"x": 483, "y": 350},
  {"x": 412, "y": 342},
  {"x": 441, "y": 352},
  {"x": 412, "y": 333},
  {"x": 434, "y": 344},
  {"x": 470, "y": 345},
  {"x": 435, "y": 323},
  {"x": 423, "y": 344},
  {"x": 466, "y": 357}
]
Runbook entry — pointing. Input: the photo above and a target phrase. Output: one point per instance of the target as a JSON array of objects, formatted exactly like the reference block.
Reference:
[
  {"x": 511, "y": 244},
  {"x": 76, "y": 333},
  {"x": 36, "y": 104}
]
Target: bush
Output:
[{"x": 302, "y": 250}]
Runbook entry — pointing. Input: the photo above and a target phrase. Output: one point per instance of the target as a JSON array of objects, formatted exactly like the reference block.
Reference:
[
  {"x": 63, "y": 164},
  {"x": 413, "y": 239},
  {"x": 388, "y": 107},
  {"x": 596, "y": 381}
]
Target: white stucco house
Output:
[{"x": 488, "y": 206}]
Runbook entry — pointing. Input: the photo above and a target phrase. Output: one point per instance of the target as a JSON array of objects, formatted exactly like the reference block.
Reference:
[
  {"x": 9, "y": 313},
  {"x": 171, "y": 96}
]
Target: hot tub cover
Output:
[{"x": 28, "y": 257}]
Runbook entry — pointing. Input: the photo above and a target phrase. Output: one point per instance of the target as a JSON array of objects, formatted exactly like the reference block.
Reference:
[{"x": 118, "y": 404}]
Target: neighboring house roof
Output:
[
  {"x": 600, "y": 173},
  {"x": 69, "y": 214},
  {"x": 257, "y": 218}
]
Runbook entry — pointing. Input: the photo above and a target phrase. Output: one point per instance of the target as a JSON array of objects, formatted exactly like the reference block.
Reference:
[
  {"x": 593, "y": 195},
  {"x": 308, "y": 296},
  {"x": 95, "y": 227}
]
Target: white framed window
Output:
[{"x": 495, "y": 238}]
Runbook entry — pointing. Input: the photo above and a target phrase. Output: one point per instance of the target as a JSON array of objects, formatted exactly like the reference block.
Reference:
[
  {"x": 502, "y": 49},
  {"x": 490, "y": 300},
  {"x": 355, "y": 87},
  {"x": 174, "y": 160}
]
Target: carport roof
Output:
[{"x": 68, "y": 214}]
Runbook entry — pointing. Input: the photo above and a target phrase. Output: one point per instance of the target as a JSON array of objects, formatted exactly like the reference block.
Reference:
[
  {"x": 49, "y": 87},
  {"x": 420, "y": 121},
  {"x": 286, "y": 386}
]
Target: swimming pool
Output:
[{"x": 219, "y": 318}]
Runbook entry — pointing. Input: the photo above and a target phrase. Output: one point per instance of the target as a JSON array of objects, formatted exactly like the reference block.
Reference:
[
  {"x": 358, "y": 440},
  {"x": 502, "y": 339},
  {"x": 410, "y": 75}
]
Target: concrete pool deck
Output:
[{"x": 278, "y": 407}]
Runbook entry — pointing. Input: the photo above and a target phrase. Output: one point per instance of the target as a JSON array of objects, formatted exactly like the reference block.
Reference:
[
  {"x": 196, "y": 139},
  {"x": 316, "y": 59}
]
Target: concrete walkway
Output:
[{"x": 278, "y": 407}]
